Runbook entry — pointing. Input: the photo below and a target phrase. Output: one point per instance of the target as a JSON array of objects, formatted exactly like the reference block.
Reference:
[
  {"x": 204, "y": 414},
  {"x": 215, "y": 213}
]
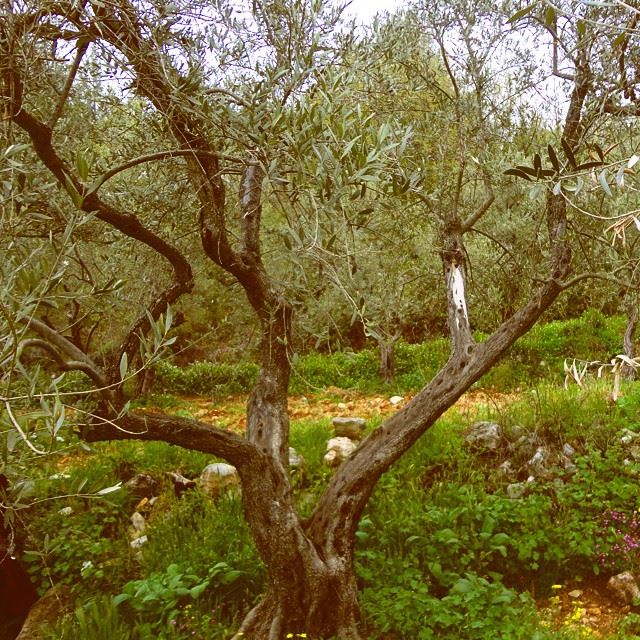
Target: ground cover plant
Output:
[{"x": 443, "y": 550}]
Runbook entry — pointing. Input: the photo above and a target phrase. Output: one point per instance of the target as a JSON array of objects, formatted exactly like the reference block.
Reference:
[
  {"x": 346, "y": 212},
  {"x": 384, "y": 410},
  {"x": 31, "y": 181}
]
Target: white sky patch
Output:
[{"x": 365, "y": 10}]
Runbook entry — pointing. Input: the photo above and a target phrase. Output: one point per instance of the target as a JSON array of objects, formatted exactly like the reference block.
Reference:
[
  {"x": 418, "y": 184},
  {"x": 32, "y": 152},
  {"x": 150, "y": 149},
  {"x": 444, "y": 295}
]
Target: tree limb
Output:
[
  {"x": 57, "y": 344},
  {"x": 151, "y": 157},
  {"x": 484, "y": 207},
  {"x": 183, "y": 432},
  {"x": 235, "y": 97},
  {"x": 82, "y": 47}
]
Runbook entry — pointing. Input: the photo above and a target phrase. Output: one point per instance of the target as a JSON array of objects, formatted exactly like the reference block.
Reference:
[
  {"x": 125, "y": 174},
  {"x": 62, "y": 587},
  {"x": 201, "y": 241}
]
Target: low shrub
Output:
[
  {"x": 205, "y": 378},
  {"x": 537, "y": 356}
]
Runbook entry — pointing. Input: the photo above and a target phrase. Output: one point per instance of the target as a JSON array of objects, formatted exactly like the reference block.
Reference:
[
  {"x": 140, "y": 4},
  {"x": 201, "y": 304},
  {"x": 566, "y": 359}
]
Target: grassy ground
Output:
[{"x": 443, "y": 551}]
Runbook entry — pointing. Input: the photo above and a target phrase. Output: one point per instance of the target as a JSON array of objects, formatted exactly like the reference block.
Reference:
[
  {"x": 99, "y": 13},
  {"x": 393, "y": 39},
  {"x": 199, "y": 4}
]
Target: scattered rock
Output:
[
  {"x": 60, "y": 476},
  {"x": 394, "y": 400},
  {"x": 484, "y": 436},
  {"x": 575, "y": 594},
  {"x": 342, "y": 406},
  {"x": 142, "y": 485},
  {"x": 296, "y": 461},
  {"x": 568, "y": 450},
  {"x": 218, "y": 476},
  {"x": 349, "y": 427},
  {"x": 540, "y": 463},
  {"x": 569, "y": 467},
  {"x": 338, "y": 450},
  {"x": 627, "y": 436},
  {"x": 139, "y": 542},
  {"x": 516, "y": 431},
  {"x": 138, "y": 522},
  {"x": 624, "y": 588},
  {"x": 180, "y": 483},
  {"x": 526, "y": 445},
  {"x": 516, "y": 490},
  {"x": 66, "y": 511},
  {"x": 506, "y": 469}
]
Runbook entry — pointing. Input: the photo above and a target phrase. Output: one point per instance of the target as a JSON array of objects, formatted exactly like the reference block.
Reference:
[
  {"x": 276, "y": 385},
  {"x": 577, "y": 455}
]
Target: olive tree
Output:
[{"x": 250, "y": 100}]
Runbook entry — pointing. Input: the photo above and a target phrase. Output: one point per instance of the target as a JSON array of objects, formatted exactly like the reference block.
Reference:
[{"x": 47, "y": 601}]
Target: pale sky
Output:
[{"x": 364, "y": 10}]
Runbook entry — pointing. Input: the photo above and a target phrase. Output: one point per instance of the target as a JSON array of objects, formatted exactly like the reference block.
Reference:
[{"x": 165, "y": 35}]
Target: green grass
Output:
[
  {"x": 442, "y": 551},
  {"x": 537, "y": 356}
]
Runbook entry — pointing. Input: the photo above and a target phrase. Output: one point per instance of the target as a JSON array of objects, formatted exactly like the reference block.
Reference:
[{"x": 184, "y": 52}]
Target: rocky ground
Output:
[{"x": 587, "y": 605}]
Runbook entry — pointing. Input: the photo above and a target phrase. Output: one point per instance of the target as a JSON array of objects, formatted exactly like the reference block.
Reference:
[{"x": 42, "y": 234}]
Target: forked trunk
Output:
[{"x": 314, "y": 596}]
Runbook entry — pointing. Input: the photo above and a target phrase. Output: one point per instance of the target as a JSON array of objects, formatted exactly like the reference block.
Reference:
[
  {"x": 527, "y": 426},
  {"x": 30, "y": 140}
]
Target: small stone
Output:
[
  {"x": 139, "y": 542},
  {"x": 624, "y": 588},
  {"x": 59, "y": 476},
  {"x": 484, "y": 436},
  {"x": 526, "y": 445},
  {"x": 516, "y": 490},
  {"x": 66, "y": 511},
  {"x": 394, "y": 400},
  {"x": 540, "y": 462},
  {"x": 338, "y": 450},
  {"x": 218, "y": 476},
  {"x": 575, "y": 594},
  {"x": 627, "y": 436},
  {"x": 138, "y": 522},
  {"x": 342, "y": 406},
  {"x": 349, "y": 427},
  {"x": 296, "y": 461},
  {"x": 568, "y": 450},
  {"x": 516, "y": 432},
  {"x": 142, "y": 485},
  {"x": 506, "y": 469}
]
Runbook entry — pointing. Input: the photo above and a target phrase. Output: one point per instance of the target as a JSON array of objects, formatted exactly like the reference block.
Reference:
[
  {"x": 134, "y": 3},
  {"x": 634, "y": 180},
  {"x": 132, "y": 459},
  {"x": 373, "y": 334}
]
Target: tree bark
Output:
[
  {"x": 629, "y": 341},
  {"x": 387, "y": 368}
]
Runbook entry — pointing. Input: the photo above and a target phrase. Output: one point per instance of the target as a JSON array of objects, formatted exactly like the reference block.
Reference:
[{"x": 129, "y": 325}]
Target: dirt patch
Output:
[
  {"x": 230, "y": 413},
  {"x": 585, "y": 606}
]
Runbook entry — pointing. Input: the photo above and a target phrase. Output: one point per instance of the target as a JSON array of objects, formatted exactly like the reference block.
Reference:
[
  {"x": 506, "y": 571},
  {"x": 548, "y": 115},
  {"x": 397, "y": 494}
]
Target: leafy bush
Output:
[
  {"x": 157, "y": 596},
  {"x": 538, "y": 355},
  {"x": 205, "y": 378},
  {"x": 80, "y": 541},
  {"x": 474, "y": 608},
  {"x": 200, "y": 533}
]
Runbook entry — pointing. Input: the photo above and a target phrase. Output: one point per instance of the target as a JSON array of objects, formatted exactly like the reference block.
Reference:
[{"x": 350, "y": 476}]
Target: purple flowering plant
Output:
[{"x": 618, "y": 541}]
